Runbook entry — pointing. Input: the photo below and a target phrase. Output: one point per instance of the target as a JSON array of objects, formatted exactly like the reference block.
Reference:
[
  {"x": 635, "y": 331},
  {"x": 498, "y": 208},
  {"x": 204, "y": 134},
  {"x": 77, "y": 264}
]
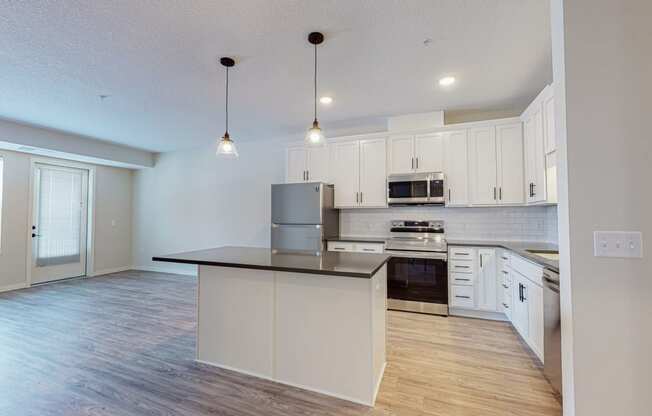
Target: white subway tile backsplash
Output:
[{"x": 500, "y": 223}]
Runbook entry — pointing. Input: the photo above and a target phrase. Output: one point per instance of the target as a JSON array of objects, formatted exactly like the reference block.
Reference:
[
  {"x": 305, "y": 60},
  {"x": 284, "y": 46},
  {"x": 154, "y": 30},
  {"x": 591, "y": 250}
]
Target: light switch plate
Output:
[{"x": 627, "y": 244}]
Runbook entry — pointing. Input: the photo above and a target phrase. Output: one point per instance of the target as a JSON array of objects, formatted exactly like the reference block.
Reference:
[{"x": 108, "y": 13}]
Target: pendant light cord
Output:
[
  {"x": 315, "y": 82},
  {"x": 227, "y": 100}
]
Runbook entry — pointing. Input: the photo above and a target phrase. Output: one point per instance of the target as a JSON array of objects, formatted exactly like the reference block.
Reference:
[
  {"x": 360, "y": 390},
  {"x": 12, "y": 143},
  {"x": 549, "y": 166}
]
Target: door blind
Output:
[{"x": 59, "y": 216}]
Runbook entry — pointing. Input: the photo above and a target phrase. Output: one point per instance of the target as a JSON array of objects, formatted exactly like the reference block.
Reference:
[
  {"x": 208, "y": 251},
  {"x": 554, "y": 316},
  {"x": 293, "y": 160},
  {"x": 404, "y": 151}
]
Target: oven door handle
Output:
[{"x": 417, "y": 254}]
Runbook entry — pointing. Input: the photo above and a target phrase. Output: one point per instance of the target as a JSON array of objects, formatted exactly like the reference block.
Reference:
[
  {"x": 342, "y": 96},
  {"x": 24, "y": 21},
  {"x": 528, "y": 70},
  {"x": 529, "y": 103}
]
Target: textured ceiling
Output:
[{"x": 158, "y": 62}]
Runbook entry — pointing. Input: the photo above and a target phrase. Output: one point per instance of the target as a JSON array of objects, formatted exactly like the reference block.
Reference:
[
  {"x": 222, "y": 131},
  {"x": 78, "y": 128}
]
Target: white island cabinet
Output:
[{"x": 314, "y": 322}]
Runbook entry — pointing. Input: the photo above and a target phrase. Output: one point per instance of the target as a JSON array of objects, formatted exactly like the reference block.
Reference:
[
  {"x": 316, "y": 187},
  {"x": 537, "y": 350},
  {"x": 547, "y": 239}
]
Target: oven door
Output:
[
  {"x": 418, "y": 282},
  {"x": 407, "y": 190}
]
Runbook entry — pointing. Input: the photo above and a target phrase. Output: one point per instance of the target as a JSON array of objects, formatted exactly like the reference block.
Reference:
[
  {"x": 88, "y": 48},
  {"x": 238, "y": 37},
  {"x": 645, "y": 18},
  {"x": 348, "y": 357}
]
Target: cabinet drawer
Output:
[
  {"x": 532, "y": 271},
  {"x": 462, "y": 297},
  {"x": 462, "y": 279},
  {"x": 369, "y": 247},
  {"x": 461, "y": 253},
  {"x": 457, "y": 266},
  {"x": 340, "y": 246}
]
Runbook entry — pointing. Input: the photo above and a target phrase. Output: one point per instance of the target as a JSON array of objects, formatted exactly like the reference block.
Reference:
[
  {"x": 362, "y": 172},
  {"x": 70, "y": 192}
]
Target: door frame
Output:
[{"x": 90, "y": 225}]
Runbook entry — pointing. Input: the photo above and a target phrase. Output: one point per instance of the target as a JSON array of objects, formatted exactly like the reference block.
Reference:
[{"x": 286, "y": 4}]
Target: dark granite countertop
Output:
[
  {"x": 354, "y": 239},
  {"x": 362, "y": 265},
  {"x": 518, "y": 247}
]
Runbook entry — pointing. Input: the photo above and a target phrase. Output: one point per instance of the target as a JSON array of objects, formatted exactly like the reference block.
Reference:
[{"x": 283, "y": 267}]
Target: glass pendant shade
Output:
[
  {"x": 315, "y": 136},
  {"x": 226, "y": 148}
]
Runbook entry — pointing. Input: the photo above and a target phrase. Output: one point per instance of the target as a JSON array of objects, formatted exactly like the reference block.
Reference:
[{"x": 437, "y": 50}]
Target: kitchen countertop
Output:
[
  {"x": 518, "y": 247},
  {"x": 361, "y": 265}
]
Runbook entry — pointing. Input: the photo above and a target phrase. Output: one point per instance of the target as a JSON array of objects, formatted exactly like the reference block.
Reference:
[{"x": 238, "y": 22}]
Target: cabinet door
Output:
[
  {"x": 487, "y": 285},
  {"x": 456, "y": 168},
  {"x": 373, "y": 187},
  {"x": 520, "y": 317},
  {"x": 549, "y": 124},
  {"x": 401, "y": 154},
  {"x": 534, "y": 296},
  {"x": 296, "y": 165},
  {"x": 482, "y": 149},
  {"x": 318, "y": 164},
  {"x": 429, "y": 152},
  {"x": 345, "y": 173},
  {"x": 509, "y": 142},
  {"x": 535, "y": 157}
]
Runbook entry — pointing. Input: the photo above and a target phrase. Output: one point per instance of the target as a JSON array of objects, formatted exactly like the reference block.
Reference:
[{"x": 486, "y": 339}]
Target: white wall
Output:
[
  {"x": 113, "y": 201},
  {"x": 193, "y": 200},
  {"x": 602, "y": 64},
  {"x": 504, "y": 223}
]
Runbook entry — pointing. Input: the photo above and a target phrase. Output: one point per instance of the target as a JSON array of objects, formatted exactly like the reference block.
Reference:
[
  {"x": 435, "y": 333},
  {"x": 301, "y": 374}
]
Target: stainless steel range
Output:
[{"x": 417, "y": 273}]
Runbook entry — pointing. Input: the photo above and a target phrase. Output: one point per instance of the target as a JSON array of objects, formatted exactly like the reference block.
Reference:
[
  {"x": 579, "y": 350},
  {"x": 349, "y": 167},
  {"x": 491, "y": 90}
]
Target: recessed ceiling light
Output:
[
  {"x": 326, "y": 100},
  {"x": 447, "y": 81}
]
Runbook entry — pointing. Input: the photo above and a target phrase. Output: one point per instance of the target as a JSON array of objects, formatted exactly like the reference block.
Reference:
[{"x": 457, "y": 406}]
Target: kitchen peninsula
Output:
[{"x": 312, "y": 321}]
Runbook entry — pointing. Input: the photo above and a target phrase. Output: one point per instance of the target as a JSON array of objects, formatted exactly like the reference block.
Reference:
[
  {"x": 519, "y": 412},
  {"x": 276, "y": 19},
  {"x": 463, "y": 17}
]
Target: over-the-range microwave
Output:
[{"x": 416, "y": 189}]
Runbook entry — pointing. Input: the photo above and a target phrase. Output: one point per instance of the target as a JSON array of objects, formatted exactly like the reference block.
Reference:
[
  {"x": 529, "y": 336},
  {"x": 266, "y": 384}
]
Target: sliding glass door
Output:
[{"x": 59, "y": 223}]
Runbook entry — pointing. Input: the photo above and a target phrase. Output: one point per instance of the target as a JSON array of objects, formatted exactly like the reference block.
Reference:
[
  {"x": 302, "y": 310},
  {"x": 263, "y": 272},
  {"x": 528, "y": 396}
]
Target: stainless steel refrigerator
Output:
[{"x": 303, "y": 217}]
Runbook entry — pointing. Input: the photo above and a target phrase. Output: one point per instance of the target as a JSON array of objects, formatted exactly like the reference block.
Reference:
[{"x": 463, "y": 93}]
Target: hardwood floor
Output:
[{"x": 124, "y": 345}]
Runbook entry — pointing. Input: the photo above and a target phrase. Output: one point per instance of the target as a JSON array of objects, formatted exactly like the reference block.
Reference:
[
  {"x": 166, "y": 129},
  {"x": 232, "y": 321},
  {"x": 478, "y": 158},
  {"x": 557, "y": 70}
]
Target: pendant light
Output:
[
  {"x": 315, "y": 136},
  {"x": 226, "y": 148}
]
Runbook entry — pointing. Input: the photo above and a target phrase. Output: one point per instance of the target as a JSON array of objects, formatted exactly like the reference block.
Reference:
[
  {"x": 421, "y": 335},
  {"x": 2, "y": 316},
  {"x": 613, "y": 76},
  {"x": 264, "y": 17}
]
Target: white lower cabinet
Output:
[
  {"x": 356, "y": 247},
  {"x": 487, "y": 282},
  {"x": 527, "y": 299}
]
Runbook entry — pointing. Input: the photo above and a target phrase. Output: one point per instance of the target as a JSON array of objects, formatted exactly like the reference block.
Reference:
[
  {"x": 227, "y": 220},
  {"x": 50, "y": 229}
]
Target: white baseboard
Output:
[
  {"x": 15, "y": 286},
  {"x": 109, "y": 271},
  {"x": 467, "y": 313},
  {"x": 172, "y": 270}
]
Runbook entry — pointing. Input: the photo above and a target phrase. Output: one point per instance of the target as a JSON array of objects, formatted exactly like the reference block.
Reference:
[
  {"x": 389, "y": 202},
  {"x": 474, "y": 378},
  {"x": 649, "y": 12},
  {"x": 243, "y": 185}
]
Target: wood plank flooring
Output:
[{"x": 124, "y": 345}]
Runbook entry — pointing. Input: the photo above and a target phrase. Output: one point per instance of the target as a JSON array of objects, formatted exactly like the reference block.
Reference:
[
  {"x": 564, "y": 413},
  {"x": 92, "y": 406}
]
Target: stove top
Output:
[{"x": 409, "y": 235}]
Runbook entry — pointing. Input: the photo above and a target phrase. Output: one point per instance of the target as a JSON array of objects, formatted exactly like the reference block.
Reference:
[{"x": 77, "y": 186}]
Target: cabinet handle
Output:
[
  {"x": 449, "y": 194},
  {"x": 534, "y": 187},
  {"x": 505, "y": 305},
  {"x": 500, "y": 193},
  {"x": 504, "y": 258},
  {"x": 412, "y": 163},
  {"x": 339, "y": 248},
  {"x": 461, "y": 254},
  {"x": 308, "y": 175},
  {"x": 481, "y": 261},
  {"x": 361, "y": 197},
  {"x": 505, "y": 271},
  {"x": 462, "y": 280},
  {"x": 463, "y": 297},
  {"x": 505, "y": 286},
  {"x": 368, "y": 249},
  {"x": 356, "y": 198},
  {"x": 417, "y": 163},
  {"x": 494, "y": 193},
  {"x": 462, "y": 267}
]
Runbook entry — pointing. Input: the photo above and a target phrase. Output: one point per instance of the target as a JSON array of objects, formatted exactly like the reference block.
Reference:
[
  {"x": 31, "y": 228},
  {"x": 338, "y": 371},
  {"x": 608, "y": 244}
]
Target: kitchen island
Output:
[{"x": 314, "y": 322}]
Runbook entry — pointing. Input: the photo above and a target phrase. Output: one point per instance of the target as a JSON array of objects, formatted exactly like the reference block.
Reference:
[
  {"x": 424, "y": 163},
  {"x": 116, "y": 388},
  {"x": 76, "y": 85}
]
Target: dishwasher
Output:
[{"x": 552, "y": 330}]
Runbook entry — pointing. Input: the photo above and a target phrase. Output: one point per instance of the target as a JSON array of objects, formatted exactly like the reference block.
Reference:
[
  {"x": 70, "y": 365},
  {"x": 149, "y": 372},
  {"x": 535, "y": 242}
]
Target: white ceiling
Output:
[{"x": 158, "y": 61}]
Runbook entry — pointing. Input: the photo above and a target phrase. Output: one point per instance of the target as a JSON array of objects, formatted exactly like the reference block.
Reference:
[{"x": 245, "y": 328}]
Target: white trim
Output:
[
  {"x": 15, "y": 286},
  {"x": 90, "y": 221},
  {"x": 467, "y": 313},
  {"x": 380, "y": 379},
  {"x": 169, "y": 270},
  {"x": 253, "y": 374},
  {"x": 109, "y": 271}
]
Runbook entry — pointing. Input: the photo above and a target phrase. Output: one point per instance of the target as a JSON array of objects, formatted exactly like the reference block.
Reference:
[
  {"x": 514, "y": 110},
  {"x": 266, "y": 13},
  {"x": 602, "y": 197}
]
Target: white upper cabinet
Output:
[
  {"x": 456, "y": 168},
  {"x": 308, "y": 164},
  {"x": 420, "y": 153},
  {"x": 539, "y": 135},
  {"x": 483, "y": 165},
  {"x": 346, "y": 171},
  {"x": 549, "y": 122},
  {"x": 373, "y": 186},
  {"x": 296, "y": 164},
  {"x": 509, "y": 152},
  {"x": 401, "y": 154},
  {"x": 429, "y": 152},
  {"x": 359, "y": 174},
  {"x": 487, "y": 285},
  {"x": 318, "y": 164}
]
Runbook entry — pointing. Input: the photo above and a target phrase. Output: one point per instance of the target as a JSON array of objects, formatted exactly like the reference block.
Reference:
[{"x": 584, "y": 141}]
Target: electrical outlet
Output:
[{"x": 618, "y": 244}]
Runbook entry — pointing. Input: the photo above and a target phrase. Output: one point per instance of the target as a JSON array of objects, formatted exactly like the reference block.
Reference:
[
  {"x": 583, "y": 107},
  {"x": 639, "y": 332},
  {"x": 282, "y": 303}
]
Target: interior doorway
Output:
[{"x": 59, "y": 222}]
